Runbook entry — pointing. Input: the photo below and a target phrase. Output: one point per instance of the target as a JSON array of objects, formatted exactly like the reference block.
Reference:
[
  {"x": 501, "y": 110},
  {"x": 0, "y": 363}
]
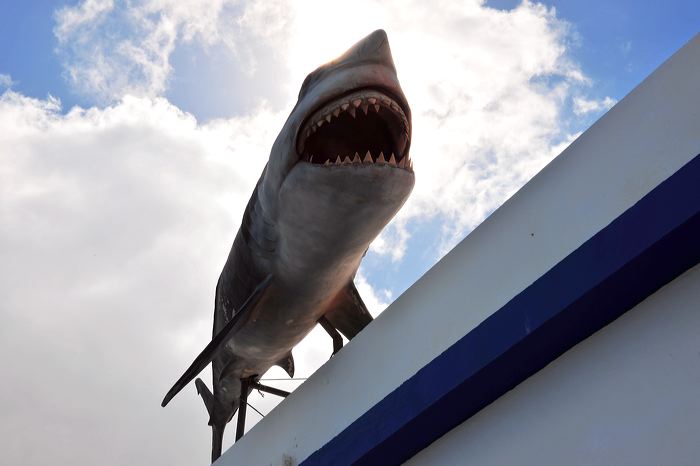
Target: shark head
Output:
[{"x": 340, "y": 168}]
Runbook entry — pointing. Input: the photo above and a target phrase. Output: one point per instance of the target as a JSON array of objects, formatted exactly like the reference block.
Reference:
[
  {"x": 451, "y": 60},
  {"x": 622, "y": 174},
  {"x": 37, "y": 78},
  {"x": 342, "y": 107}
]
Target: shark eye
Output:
[
  {"x": 305, "y": 85},
  {"x": 310, "y": 80},
  {"x": 364, "y": 127}
]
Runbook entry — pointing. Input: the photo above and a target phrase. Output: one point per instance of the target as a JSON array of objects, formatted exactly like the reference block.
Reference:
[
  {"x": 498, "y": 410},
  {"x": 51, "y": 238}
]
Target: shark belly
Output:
[{"x": 290, "y": 308}]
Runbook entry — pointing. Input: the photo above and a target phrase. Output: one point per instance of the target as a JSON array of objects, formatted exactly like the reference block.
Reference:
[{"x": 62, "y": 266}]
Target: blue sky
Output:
[
  {"x": 120, "y": 194},
  {"x": 618, "y": 43}
]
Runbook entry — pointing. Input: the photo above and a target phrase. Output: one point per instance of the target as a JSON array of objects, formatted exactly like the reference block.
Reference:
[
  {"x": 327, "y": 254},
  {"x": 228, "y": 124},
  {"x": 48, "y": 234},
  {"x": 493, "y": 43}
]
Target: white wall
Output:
[
  {"x": 629, "y": 394},
  {"x": 639, "y": 143}
]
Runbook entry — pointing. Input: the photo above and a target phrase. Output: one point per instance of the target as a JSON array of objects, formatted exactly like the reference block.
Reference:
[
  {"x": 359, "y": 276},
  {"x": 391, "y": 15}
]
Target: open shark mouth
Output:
[{"x": 364, "y": 127}]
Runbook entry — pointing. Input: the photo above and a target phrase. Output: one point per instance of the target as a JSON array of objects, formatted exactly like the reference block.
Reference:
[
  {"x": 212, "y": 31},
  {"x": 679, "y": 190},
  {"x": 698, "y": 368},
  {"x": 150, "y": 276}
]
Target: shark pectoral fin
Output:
[
  {"x": 218, "y": 342},
  {"x": 349, "y": 314},
  {"x": 333, "y": 333},
  {"x": 287, "y": 363}
]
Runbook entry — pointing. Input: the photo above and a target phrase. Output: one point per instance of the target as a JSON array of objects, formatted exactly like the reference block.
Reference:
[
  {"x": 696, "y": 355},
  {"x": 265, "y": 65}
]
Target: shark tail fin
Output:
[{"x": 208, "y": 397}]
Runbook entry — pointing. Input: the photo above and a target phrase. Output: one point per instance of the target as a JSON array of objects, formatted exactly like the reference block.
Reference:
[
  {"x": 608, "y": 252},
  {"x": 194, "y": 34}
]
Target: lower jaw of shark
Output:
[
  {"x": 339, "y": 210},
  {"x": 362, "y": 127}
]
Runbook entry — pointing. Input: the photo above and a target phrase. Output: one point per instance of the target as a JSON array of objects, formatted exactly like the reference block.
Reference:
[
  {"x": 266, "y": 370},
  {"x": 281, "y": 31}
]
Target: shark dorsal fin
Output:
[{"x": 348, "y": 312}]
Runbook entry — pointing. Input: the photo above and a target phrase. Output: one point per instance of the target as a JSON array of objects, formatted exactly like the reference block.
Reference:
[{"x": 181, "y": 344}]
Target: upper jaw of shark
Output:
[{"x": 362, "y": 127}]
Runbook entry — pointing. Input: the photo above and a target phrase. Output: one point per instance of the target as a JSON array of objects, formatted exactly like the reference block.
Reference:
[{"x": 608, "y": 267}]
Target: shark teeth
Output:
[
  {"x": 366, "y": 100},
  {"x": 391, "y": 161}
]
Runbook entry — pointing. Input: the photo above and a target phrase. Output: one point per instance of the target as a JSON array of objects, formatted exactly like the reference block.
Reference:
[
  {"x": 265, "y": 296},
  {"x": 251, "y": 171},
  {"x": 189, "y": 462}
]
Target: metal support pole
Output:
[
  {"x": 265, "y": 388},
  {"x": 251, "y": 384},
  {"x": 242, "y": 407}
]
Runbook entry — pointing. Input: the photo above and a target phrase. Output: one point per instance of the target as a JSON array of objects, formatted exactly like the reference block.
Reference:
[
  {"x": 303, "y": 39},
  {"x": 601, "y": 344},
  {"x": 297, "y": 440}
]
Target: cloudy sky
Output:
[{"x": 133, "y": 132}]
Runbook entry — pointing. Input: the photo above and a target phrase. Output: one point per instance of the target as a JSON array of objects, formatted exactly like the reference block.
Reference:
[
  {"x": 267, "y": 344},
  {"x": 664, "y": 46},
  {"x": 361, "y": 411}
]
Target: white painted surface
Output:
[
  {"x": 639, "y": 143},
  {"x": 629, "y": 394}
]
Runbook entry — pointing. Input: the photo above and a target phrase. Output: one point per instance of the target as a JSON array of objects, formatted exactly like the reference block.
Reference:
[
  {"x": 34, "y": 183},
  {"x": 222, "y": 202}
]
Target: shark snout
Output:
[{"x": 373, "y": 49}]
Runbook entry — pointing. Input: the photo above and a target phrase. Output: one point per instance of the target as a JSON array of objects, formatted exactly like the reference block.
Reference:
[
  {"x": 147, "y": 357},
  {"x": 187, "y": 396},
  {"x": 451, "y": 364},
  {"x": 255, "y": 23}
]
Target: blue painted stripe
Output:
[{"x": 646, "y": 247}]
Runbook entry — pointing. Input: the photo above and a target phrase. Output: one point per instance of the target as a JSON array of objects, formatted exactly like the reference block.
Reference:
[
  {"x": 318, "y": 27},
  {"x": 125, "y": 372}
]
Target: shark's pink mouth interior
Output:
[{"x": 364, "y": 127}]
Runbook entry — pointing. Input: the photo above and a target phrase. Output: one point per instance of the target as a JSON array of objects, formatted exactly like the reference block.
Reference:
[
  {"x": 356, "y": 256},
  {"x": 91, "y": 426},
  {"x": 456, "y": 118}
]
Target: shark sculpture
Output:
[{"x": 338, "y": 172}]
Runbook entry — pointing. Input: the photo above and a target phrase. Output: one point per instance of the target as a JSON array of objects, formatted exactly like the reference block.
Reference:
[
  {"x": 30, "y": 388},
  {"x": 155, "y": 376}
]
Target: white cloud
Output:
[
  {"x": 583, "y": 106},
  {"x": 114, "y": 224},
  {"x": 375, "y": 300},
  {"x": 6, "y": 81},
  {"x": 488, "y": 87},
  {"x": 88, "y": 14},
  {"x": 110, "y": 50},
  {"x": 488, "y": 90}
]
